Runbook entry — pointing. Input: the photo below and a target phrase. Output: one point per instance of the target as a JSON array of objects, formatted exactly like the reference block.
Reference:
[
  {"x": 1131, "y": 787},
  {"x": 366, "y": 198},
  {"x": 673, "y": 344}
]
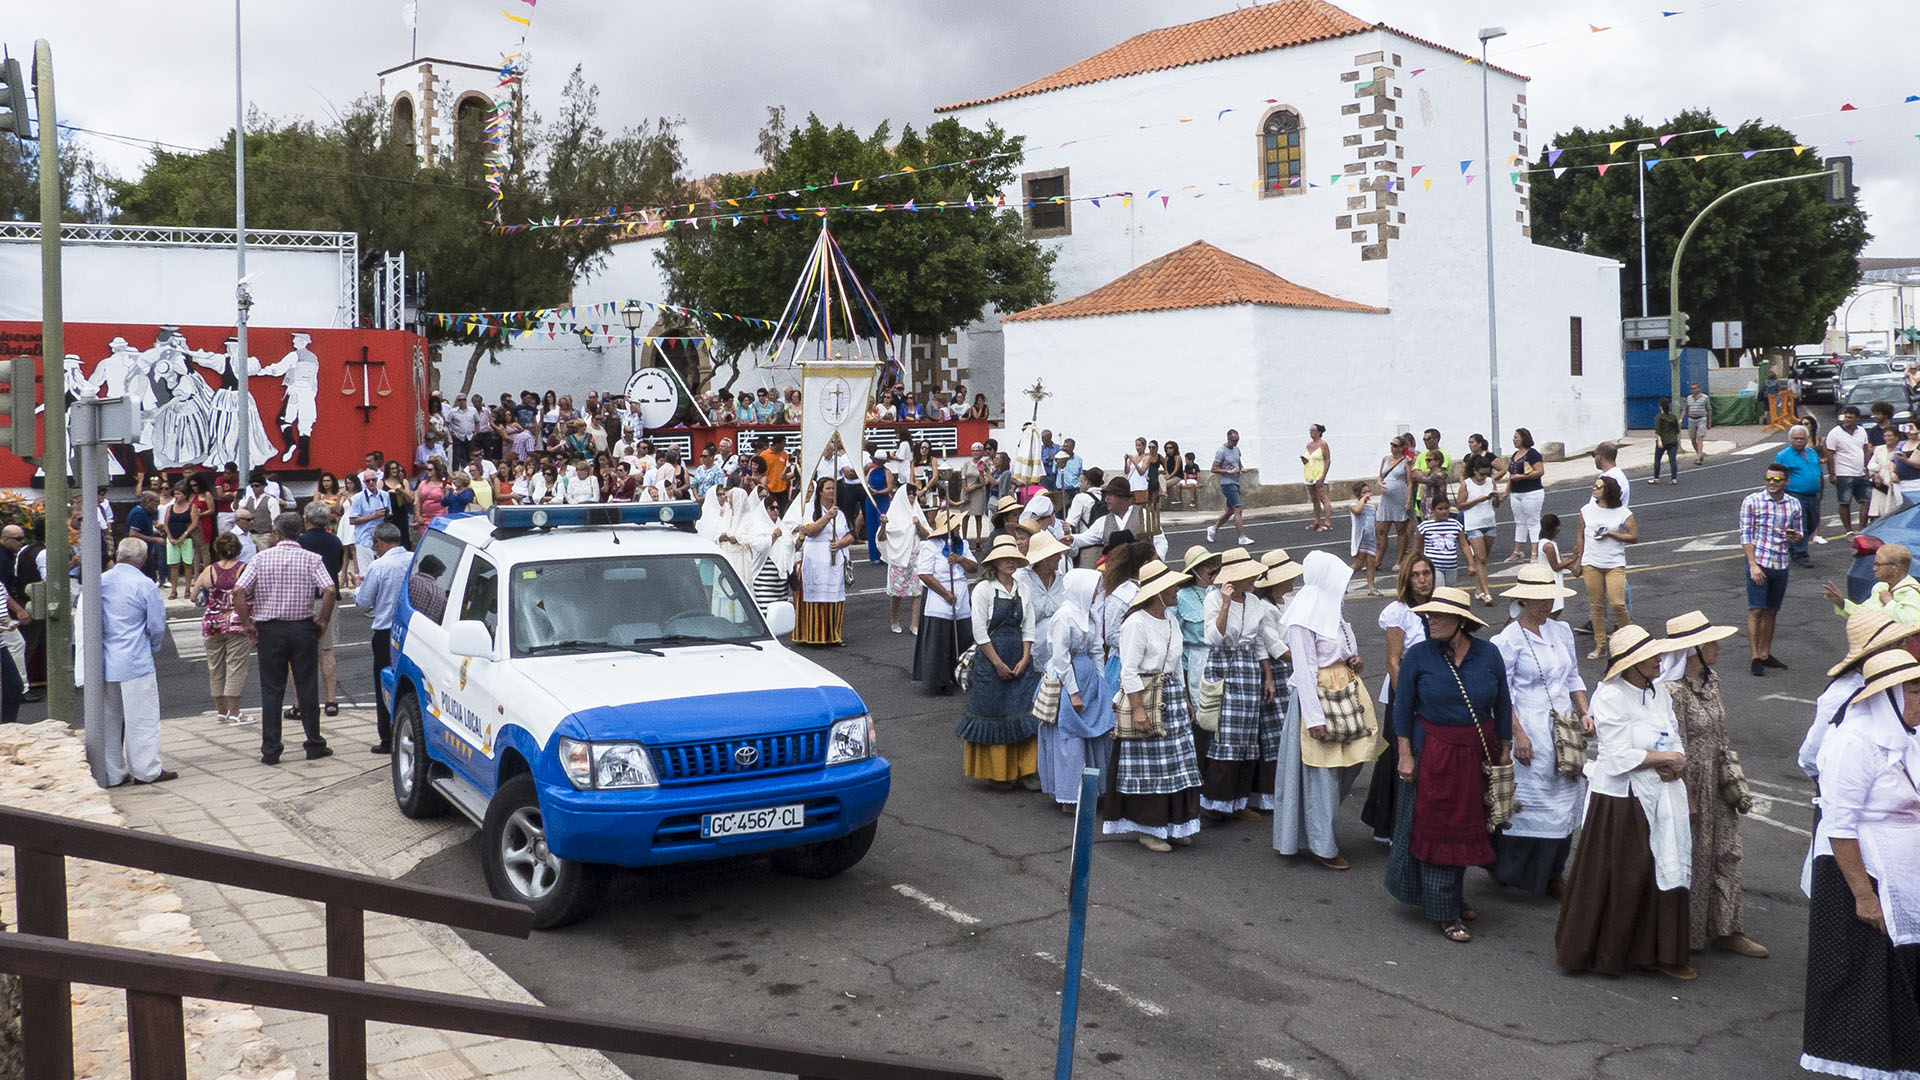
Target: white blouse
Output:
[
  {"x": 1149, "y": 646},
  {"x": 1066, "y": 640},
  {"x": 1627, "y": 723},
  {"x": 1413, "y": 631},
  {"x": 932, "y": 562},
  {"x": 1243, "y": 620},
  {"x": 1869, "y": 772},
  {"x": 1543, "y": 671},
  {"x": 985, "y": 594},
  {"x": 1311, "y": 652},
  {"x": 1045, "y": 603},
  {"x": 1111, "y": 612},
  {"x": 1825, "y": 707}
]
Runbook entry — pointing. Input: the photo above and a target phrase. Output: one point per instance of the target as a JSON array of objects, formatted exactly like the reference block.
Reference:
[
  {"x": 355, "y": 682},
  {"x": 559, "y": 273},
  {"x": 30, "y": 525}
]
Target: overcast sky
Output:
[{"x": 164, "y": 70}]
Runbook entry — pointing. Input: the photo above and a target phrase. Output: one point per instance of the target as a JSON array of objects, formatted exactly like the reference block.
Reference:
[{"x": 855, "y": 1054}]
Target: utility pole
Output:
[
  {"x": 1640, "y": 157},
  {"x": 1486, "y": 145},
  {"x": 243, "y": 445},
  {"x": 53, "y": 380}
]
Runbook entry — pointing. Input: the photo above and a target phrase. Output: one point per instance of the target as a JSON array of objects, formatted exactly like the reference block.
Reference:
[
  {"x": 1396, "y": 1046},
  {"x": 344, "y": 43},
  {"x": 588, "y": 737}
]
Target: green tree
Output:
[
  {"x": 356, "y": 175},
  {"x": 932, "y": 271},
  {"x": 1778, "y": 259},
  {"x": 83, "y": 181}
]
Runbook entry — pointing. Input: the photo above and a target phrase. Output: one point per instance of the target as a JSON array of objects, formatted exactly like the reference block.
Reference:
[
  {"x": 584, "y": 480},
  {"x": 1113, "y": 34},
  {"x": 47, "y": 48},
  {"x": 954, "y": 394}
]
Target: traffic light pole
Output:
[
  {"x": 1675, "y": 340},
  {"x": 53, "y": 351}
]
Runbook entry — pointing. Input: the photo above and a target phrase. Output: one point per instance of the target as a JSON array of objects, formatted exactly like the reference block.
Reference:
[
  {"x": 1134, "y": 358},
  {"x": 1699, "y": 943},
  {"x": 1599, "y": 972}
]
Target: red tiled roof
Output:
[
  {"x": 1277, "y": 25},
  {"x": 1198, "y": 275}
]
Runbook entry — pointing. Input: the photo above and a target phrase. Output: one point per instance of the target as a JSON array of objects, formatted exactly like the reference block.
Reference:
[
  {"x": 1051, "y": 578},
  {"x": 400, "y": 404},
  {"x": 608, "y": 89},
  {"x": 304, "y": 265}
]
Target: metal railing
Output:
[{"x": 155, "y": 983}]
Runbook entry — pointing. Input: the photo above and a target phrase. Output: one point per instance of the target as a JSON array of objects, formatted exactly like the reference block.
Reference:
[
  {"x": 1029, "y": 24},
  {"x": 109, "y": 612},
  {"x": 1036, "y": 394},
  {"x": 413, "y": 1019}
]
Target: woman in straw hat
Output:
[
  {"x": 1190, "y": 605},
  {"x": 1153, "y": 782},
  {"x": 1238, "y": 769},
  {"x": 1626, "y": 905},
  {"x": 902, "y": 527},
  {"x": 998, "y": 724},
  {"x": 1451, "y": 713},
  {"x": 1045, "y": 581},
  {"x": 1404, "y": 630},
  {"x": 1315, "y": 774},
  {"x": 1715, "y": 917},
  {"x": 824, "y": 539},
  {"x": 1119, "y": 577},
  {"x": 946, "y": 620},
  {"x": 1863, "y": 941},
  {"x": 1081, "y": 735},
  {"x": 1543, "y": 679}
]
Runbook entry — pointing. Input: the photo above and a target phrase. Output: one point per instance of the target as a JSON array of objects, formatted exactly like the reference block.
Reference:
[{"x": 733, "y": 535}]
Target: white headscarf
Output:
[
  {"x": 1323, "y": 588},
  {"x": 1076, "y": 607},
  {"x": 904, "y": 519}
]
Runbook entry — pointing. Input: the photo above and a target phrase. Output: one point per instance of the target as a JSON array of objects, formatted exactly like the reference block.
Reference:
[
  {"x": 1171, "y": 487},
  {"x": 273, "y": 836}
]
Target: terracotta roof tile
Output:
[
  {"x": 1198, "y": 275},
  {"x": 1276, "y": 25}
]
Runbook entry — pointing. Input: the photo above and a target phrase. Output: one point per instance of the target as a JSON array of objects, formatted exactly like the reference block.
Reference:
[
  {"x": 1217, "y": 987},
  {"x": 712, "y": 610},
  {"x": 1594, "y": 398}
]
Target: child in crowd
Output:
[
  {"x": 1363, "y": 547},
  {"x": 1441, "y": 540},
  {"x": 1189, "y": 485}
]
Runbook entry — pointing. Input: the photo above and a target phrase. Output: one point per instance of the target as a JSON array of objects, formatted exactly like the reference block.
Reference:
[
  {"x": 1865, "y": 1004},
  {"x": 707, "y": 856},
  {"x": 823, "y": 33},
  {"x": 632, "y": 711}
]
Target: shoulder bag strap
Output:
[{"x": 1474, "y": 716}]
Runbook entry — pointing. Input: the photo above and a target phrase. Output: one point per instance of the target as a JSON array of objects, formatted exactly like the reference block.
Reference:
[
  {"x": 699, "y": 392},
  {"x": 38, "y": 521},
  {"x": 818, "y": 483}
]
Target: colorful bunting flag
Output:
[
  {"x": 1614, "y": 147},
  {"x": 1553, "y": 157}
]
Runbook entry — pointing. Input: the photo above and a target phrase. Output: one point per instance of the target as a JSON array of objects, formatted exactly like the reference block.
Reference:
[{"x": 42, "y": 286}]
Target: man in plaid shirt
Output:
[
  {"x": 1770, "y": 523},
  {"x": 275, "y": 600}
]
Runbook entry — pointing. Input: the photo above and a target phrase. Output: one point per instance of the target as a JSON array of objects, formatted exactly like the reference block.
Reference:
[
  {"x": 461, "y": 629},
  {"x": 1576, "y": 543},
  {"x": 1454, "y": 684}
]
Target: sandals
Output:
[
  {"x": 1455, "y": 931},
  {"x": 333, "y": 708},
  {"x": 1468, "y": 914}
]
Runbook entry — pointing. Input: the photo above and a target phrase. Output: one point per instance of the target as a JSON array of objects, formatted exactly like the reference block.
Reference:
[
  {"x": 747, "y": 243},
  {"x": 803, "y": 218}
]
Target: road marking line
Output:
[
  {"x": 1787, "y": 791},
  {"x": 1788, "y": 697},
  {"x": 1147, "y": 1007},
  {"x": 936, "y": 906},
  {"x": 1757, "y": 448},
  {"x": 1282, "y": 1068},
  {"x": 1756, "y": 815}
]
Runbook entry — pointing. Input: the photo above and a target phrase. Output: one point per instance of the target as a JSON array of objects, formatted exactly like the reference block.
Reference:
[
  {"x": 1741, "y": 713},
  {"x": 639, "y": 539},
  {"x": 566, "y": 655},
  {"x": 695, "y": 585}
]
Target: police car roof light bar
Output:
[{"x": 589, "y": 514}]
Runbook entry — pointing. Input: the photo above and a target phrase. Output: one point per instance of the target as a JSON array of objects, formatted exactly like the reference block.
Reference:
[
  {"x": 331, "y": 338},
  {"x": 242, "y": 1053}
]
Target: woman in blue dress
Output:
[
  {"x": 1081, "y": 735},
  {"x": 879, "y": 498}
]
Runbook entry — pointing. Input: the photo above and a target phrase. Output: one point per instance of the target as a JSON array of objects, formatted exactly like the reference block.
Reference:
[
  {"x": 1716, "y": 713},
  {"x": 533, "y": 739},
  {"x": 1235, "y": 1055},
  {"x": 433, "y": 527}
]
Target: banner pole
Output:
[{"x": 1077, "y": 919}]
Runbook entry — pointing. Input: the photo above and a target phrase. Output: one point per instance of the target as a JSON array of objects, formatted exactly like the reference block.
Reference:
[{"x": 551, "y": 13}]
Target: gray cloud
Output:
[{"x": 164, "y": 71}]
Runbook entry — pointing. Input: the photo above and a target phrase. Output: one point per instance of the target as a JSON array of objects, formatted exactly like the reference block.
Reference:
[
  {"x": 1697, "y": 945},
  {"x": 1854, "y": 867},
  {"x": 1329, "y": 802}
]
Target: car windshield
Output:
[
  {"x": 1870, "y": 390},
  {"x": 1862, "y": 368},
  {"x": 589, "y": 605}
]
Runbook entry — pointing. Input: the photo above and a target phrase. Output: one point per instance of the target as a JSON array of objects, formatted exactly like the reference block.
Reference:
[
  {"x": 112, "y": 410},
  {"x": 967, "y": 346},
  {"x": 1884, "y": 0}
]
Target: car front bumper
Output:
[{"x": 655, "y": 826}]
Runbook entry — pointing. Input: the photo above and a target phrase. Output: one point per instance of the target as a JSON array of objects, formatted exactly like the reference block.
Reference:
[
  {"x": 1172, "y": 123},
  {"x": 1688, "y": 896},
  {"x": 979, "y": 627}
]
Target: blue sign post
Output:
[{"x": 1077, "y": 918}]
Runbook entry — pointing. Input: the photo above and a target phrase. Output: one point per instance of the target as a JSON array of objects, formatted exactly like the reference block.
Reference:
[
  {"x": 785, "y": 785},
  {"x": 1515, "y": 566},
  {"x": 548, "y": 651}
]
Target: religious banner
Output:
[{"x": 833, "y": 396}]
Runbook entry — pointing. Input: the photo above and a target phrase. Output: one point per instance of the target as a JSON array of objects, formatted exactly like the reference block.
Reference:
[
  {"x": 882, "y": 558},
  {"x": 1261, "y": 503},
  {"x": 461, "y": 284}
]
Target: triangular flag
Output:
[
  {"x": 1416, "y": 170},
  {"x": 1671, "y": 14},
  {"x": 1096, "y": 202},
  {"x": 1333, "y": 179},
  {"x": 1221, "y": 113},
  {"x": 1126, "y": 202},
  {"x": 1364, "y": 85},
  {"x": 1469, "y": 179},
  {"x": 1427, "y": 184},
  {"x": 1603, "y": 167},
  {"x": 1651, "y": 162},
  {"x": 1911, "y": 98},
  {"x": 1719, "y": 131},
  {"x": 519, "y": 19},
  {"x": 1614, "y": 147},
  {"x": 1598, "y": 29},
  {"x": 1513, "y": 177},
  {"x": 1699, "y": 157},
  {"x": 1465, "y": 165},
  {"x": 1848, "y": 107},
  {"x": 1164, "y": 200},
  {"x": 1513, "y": 159},
  {"x": 1748, "y": 153},
  {"x": 1798, "y": 150},
  {"x": 1553, "y": 156},
  {"x": 1558, "y": 173},
  {"x": 1665, "y": 139},
  {"x": 1414, "y": 72}
]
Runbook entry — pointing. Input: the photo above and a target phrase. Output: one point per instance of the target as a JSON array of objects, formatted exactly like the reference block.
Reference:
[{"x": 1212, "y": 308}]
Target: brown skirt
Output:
[{"x": 1613, "y": 919}]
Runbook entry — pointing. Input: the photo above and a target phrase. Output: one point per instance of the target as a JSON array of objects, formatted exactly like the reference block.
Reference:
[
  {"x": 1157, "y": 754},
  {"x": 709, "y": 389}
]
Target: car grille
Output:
[{"x": 684, "y": 762}]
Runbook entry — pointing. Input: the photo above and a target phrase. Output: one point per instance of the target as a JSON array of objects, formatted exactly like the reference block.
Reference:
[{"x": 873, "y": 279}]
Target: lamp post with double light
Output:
[{"x": 1486, "y": 144}]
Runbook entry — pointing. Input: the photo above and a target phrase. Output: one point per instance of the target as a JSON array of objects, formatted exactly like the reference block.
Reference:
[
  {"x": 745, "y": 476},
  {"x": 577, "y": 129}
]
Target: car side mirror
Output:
[
  {"x": 780, "y": 618},
  {"x": 469, "y": 637}
]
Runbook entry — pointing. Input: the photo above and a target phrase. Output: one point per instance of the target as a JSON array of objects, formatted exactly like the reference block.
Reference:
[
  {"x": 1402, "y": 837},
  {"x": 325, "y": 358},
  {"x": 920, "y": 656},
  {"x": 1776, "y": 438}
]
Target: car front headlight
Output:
[
  {"x": 850, "y": 740},
  {"x": 607, "y": 766}
]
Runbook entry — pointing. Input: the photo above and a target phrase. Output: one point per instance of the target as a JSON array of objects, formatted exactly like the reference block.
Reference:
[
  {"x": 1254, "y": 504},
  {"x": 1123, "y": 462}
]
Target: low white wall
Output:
[{"x": 176, "y": 284}]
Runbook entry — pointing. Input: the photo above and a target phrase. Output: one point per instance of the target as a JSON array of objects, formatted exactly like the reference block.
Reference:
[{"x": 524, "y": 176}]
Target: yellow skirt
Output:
[
  {"x": 1012, "y": 762},
  {"x": 819, "y": 623}
]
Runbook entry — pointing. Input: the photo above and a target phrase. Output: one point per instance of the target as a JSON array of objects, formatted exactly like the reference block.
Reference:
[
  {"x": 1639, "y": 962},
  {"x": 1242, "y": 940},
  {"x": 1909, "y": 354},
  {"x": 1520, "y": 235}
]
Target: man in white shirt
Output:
[
  {"x": 1847, "y": 450},
  {"x": 365, "y": 511},
  {"x": 1122, "y": 514},
  {"x": 1606, "y": 458},
  {"x": 462, "y": 421}
]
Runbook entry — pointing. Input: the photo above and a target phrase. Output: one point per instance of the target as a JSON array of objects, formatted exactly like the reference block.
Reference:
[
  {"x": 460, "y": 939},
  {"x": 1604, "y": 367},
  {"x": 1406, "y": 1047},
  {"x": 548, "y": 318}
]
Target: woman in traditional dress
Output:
[
  {"x": 1237, "y": 775},
  {"x": 1626, "y": 904},
  {"x": 1153, "y": 782},
  {"x": 1543, "y": 679},
  {"x": 1044, "y": 578},
  {"x": 998, "y": 724},
  {"x": 1404, "y": 630},
  {"x": 1190, "y": 608},
  {"x": 823, "y": 576},
  {"x": 1863, "y": 942},
  {"x": 1451, "y": 714},
  {"x": 1716, "y": 915},
  {"x": 1315, "y": 772},
  {"x": 774, "y": 547},
  {"x": 946, "y": 619},
  {"x": 902, "y": 527},
  {"x": 1080, "y": 736},
  {"x": 1119, "y": 579}
]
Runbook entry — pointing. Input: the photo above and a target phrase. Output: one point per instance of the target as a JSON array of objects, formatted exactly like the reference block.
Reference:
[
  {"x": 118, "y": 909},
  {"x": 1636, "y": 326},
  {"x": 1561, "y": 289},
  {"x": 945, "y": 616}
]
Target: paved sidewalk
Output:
[{"x": 334, "y": 812}]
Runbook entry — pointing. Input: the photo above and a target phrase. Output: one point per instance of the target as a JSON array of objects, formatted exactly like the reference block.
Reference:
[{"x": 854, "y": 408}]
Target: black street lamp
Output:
[{"x": 630, "y": 313}]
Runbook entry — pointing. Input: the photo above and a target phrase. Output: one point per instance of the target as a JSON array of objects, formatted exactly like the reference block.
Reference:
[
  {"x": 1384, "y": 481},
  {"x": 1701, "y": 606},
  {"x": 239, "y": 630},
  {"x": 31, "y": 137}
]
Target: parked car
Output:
[
  {"x": 1900, "y": 528},
  {"x": 1864, "y": 392},
  {"x": 1853, "y": 371}
]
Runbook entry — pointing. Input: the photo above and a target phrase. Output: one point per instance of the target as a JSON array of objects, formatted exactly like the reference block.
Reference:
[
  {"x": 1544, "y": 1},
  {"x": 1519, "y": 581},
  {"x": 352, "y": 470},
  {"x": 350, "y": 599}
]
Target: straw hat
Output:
[
  {"x": 1536, "y": 583},
  {"x": 1280, "y": 574},
  {"x": 1031, "y": 526},
  {"x": 1234, "y": 555},
  {"x": 1044, "y": 546},
  {"x": 1004, "y": 547},
  {"x": 1156, "y": 578},
  {"x": 1448, "y": 600},
  {"x": 1005, "y": 504},
  {"x": 942, "y": 524},
  {"x": 1198, "y": 556},
  {"x": 1276, "y": 557},
  {"x": 1884, "y": 671},
  {"x": 1870, "y": 630},
  {"x": 1692, "y": 629},
  {"x": 1235, "y": 573},
  {"x": 1631, "y": 645}
]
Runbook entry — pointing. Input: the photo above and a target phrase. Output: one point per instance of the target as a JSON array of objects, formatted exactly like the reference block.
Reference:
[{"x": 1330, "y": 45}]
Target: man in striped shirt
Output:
[{"x": 1770, "y": 523}]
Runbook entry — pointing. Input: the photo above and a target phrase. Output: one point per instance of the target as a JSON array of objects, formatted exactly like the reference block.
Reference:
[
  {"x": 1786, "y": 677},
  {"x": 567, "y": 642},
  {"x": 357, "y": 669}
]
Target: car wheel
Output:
[
  {"x": 410, "y": 767},
  {"x": 520, "y": 867},
  {"x": 827, "y": 858}
]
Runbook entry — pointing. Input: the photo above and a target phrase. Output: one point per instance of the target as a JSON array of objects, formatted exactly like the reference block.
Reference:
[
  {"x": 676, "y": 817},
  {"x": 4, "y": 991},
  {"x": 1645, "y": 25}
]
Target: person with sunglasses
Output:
[{"x": 1770, "y": 523}]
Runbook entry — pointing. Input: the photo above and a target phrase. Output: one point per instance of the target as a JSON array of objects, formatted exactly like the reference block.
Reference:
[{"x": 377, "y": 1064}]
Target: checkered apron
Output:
[
  {"x": 1239, "y": 737},
  {"x": 1164, "y": 765},
  {"x": 1273, "y": 715}
]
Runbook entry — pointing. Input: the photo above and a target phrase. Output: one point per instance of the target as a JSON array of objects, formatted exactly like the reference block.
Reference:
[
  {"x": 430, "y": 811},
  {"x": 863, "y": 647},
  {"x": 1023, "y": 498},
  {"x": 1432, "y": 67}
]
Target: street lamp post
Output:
[
  {"x": 630, "y": 313},
  {"x": 1640, "y": 159},
  {"x": 1486, "y": 144}
]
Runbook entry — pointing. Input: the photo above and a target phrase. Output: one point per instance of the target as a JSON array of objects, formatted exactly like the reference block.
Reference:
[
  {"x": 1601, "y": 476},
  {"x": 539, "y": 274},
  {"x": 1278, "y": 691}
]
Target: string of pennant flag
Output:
[{"x": 601, "y": 320}]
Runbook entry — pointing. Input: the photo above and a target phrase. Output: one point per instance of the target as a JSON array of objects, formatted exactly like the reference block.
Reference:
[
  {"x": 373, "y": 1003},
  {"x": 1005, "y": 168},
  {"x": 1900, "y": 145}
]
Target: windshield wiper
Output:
[
  {"x": 577, "y": 644},
  {"x": 673, "y": 640}
]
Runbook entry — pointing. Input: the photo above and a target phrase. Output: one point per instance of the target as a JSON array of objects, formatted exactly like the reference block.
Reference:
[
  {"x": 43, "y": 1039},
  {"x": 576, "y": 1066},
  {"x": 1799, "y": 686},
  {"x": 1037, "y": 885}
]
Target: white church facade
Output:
[{"x": 1306, "y": 146}]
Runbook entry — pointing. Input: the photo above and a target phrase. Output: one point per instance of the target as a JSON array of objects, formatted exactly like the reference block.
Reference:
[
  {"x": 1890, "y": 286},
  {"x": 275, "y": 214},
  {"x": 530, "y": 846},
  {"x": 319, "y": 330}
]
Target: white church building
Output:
[{"x": 1285, "y": 235}]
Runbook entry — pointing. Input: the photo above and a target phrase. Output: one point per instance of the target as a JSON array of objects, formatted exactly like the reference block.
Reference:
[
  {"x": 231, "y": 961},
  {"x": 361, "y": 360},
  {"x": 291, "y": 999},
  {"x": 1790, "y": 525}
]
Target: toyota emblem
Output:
[{"x": 746, "y": 757}]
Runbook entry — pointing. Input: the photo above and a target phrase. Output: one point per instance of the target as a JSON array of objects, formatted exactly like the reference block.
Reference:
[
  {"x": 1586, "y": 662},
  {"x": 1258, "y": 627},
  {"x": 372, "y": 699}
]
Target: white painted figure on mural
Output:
[
  {"x": 223, "y": 433},
  {"x": 179, "y": 425},
  {"x": 299, "y": 373}
]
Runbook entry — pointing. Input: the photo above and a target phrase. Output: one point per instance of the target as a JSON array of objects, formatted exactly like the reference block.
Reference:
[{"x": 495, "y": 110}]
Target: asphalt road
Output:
[{"x": 1224, "y": 959}]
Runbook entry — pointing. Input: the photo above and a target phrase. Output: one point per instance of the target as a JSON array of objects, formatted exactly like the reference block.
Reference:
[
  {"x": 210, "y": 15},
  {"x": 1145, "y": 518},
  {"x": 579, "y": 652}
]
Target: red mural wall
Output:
[{"x": 322, "y": 398}]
